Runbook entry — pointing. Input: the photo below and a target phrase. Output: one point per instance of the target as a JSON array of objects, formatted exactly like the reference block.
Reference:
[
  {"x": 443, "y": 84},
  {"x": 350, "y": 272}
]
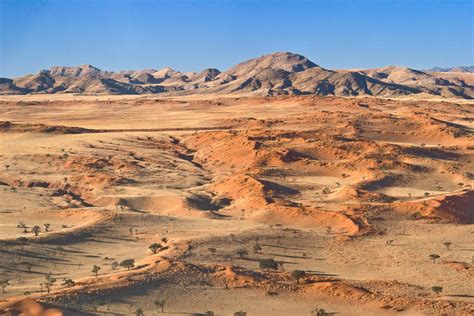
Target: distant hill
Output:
[
  {"x": 452, "y": 69},
  {"x": 279, "y": 73}
]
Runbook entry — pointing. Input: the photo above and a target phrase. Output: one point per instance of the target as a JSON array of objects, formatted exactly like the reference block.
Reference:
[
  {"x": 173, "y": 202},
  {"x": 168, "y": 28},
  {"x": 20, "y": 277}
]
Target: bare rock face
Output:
[
  {"x": 205, "y": 75},
  {"x": 288, "y": 62},
  {"x": 83, "y": 70},
  {"x": 280, "y": 73}
]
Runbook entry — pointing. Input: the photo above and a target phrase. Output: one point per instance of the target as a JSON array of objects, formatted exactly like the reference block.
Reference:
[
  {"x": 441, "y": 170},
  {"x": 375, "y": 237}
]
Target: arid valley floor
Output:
[{"x": 370, "y": 199}]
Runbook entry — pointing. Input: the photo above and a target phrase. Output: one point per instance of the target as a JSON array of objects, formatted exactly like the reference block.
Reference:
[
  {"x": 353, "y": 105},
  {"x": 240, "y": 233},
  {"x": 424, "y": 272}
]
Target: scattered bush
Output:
[
  {"x": 242, "y": 253},
  {"x": 127, "y": 263},
  {"x": 160, "y": 304},
  {"x": 319, "y": 312},
  {"x": 36, "y": 230},
  {"x": 155, "y": 247},
  {"x": 4, "y": 284},
  {"x": 434, "y": 257},
  {"x": 68, "y": 282},
  {"x": 23, "y": 226},
  {"x": 114, "y": 265},
  {"x": 49, "y": 282},
  {"x": 46, "y": 227},
  {"x": 437, "y": 289},
  {"x": 212, "y": 250},
  {"x": 95, "y": 270},
  {"x": 297, "y": 275},
  {"x": 267, "y": 264},
  {"x": 257, "y": 248}
]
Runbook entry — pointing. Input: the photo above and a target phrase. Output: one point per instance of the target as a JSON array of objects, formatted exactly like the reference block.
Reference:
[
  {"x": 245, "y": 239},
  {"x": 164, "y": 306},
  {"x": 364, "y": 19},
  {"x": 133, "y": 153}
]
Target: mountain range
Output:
[
  {"x": 280, "y": 73},
  {"x": 469, "y": 69}
]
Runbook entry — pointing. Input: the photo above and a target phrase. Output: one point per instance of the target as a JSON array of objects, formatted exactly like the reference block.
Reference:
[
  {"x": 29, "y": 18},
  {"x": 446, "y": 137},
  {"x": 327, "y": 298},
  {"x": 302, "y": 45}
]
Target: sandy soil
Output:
[{"x": 357, "y": 193}]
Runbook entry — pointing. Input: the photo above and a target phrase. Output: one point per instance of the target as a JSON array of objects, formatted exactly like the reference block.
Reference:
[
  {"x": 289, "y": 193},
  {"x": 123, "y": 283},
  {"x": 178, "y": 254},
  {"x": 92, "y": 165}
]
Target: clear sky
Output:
[{"x": 191, "y": 35}]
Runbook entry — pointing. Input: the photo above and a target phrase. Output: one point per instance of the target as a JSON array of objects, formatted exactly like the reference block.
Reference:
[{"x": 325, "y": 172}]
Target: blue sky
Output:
[{"x": 191, "y": 35}]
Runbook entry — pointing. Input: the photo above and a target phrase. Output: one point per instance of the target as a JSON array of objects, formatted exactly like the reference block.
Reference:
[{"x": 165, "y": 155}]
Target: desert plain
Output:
[{"x": 202, "y": 205}]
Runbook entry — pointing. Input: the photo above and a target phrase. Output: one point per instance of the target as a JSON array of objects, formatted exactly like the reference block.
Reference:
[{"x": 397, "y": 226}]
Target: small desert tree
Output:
[
  {"x": 127, "y": 263},
  {"x": 49, "y": 282},
  {"x": 281, "y": 264},
  {"x": 155, "y": 247},
  {"x": 297, "y": 275},
  {"x": 257, "y": 248},
  {"x": 212, "y": 250},
  {"x": 67, "y": 282},
  {"x": 447, "y": 244},
  {"x": 164, "y": 240},
  {"x": 36, "y": 230},
  {"x": 114, "y": 265},
  {"x": 437, "y": 289},
  {"x": 4, "y": 284},
  {"x": 267, "y": 264},
  {"x": 434, "y": 257},
  {"x": 23, "y": 226},
  {"x": 319, "y": 312},
  {"x": 95, "y": 269},
  {"x": 46, "y": 227},
  {"x": 139, "y": 312},
  {"x": 242, "y": 253},
  {"x": 160, "y": 304}
]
